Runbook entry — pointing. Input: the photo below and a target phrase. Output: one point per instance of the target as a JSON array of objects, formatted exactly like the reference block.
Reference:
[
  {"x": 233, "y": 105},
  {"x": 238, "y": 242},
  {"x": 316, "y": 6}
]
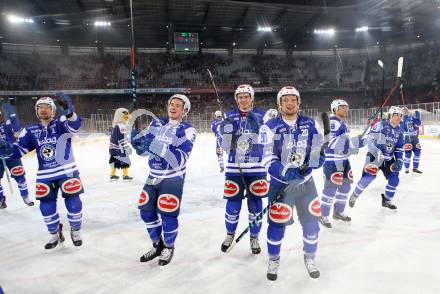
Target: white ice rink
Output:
[{"x": 379, "y": 252}]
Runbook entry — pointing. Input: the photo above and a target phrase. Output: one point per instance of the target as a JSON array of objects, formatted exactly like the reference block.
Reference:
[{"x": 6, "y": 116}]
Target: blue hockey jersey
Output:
[
  {"x": 53, "y": 146},
  {"x": 240, "y": 142},
  {"x": 410, "y": 125},
  {"x": 8, "y": 128},
  {"x": 388, "y": 139},
  {"x": 340, "y": 145},
  {"x": 290, "y": 146},
  {"x": 215, "y": 126},
  {"x": 172, "y": 144}
]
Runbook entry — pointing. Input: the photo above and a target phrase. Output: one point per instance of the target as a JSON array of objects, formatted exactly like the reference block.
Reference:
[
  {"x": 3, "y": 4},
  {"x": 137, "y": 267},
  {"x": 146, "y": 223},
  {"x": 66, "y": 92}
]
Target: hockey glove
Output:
[
  {"x": 66, "y": 104},
  {"x": 8, "y": 110},
  {"x": 6, "y": 150},
  {"x": 253, "y": 123},
  {"x": 397, "y": 166},
  {"x": 293, "y": 174},
  {"x": 417, "y": 114}
]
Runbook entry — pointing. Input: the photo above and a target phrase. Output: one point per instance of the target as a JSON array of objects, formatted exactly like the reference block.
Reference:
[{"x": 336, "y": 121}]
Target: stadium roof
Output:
[{"x": 220, "y": 24}]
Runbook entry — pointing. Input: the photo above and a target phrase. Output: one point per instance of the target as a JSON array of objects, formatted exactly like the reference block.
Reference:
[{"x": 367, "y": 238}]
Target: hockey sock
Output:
[
  {"x": 310, "y": 237},
  {"x": 74, "y": 211},
  {"x": 48, "y": 209},
  {"x": 275, "y": 235},
  {"x": 232, "y": 215},
  {"x": 170, "y": 226},
  {"x": 153, "y": 224}
]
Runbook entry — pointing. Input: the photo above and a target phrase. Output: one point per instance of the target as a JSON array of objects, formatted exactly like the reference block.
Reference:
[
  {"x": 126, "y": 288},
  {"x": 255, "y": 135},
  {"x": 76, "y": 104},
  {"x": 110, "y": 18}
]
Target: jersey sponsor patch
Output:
[
  {"x": 71, "y": 186},
  {"x": 41, "y": 190},
  {"x": 168, "y": 203},
  {"x": 259, "y": 187},
  {"x": 17, "y": 171},
  {"x": 280, "y": 213},
  {"x": 231, "y": 188},
  {"x": 315, "y": 207},
  {"x": 371, "y": 169},
  {"x": 407, "y": 147},
  {"x": 337, "y": 178},
  {"x": 143, "y": 198},
  {"x": 418, "y": 146}
]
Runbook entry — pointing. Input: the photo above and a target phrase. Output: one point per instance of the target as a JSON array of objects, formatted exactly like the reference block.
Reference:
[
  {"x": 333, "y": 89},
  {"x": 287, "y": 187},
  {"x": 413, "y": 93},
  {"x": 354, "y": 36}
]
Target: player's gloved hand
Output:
[
  {"x": 253, "y": 123},
  {"x": 293, "y": 174},
  {"x": 397, "y": 166},
  {"x": 362, "y": 141},
  {"x": 417, "y": 114},
  {"x": 66, "y": 103},
  {"x": 6, "y": 150},
  {"x": 137, "y": 141},
  {"x": 8, "y": 110}
]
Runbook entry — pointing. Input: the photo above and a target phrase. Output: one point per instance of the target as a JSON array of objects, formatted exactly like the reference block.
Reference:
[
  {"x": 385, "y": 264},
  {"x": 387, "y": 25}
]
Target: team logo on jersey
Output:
[
  {"x": 71, "y": 186},
  {"x": 315, "y": 207},
  {"x": 371, "y": 169},
  {"x": 407, "y": 147},
  {"x": 418, "y": 146},
  {"x": 337, "y": 178},
  {"x": 295, "y": 159},
  {"x": 280, "y": 213},
  {"x": 259, "y": 187},
  {"x": 231, "y": 188},
  {"x": 243, "y": 144},
  {"x": 17, "y": 171},
  {"x": 41, "y": 190},
  {"x": 168, "y": 203},
  {"x": 389, "y": 146},
  {"x": 350, "y": 175},
  {"x": 143, "y": 198},
  {"x": 47, "y": 152}
]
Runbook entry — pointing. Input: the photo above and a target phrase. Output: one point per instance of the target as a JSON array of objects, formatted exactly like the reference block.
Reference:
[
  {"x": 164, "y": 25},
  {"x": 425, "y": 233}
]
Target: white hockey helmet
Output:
[
  {"x": 336, "y": 103},
  {"x": 185, "y": 100},
  {"x": 394, "y": 110},
  {"x": 218, "y": 113},
  {"x": 245, "y": 88},
  {"x": 288, "y": 90},
  {"x": 48, "y": 101}
]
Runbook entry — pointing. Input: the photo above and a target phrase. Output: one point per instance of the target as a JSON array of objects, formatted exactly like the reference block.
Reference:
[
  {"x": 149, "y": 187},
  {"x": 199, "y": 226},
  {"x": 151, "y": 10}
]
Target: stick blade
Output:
[{"x": 399, "y": 67}]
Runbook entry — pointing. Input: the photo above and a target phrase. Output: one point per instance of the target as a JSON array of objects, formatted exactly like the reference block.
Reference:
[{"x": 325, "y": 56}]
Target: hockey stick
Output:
[
  {"x": 326, "y": 125},
  {"x": 379, "y": 110},
  {"x": 219, "y": 101},
  {"x": 7, "y": 174}
]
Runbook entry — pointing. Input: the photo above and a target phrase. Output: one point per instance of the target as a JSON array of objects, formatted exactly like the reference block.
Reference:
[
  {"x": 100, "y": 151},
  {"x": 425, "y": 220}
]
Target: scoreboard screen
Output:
[{"x": 186, "y": 42}]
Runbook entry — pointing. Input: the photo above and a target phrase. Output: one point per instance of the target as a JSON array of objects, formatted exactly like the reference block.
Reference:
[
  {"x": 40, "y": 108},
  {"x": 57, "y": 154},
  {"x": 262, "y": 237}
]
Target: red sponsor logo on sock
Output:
[
  {"x": 71, "y": 186},
  {"x": 231, "y": 188},
  {"x": 168, "y": 203},
  {"x": 259, "y": 187},
  {"x": 280, "y": 213}
]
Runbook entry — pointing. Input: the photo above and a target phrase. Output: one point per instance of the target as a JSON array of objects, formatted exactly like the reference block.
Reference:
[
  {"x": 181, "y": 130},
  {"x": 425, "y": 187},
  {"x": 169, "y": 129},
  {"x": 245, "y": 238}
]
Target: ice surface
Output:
[{"x": 379, "y": 252}]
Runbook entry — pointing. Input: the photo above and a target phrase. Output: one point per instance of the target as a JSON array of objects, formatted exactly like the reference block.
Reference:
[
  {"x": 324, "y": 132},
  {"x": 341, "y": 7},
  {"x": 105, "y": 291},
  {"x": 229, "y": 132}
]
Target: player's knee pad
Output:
[
  {"x": 71, "y": 187},
  {"x": 371, "y": 169},
  {"x": 255, "y": 205},
  {"x": 45, "y": 191},
  {"x": 48, "y": 206},
  {"x": 233, "y": 207},
  {"x": 168, "y": 204},
  {"x": 17, "y": 171},
  {"x": 170, "y": 225},
  {"x": 259, "y": 188},
  {"x": 73, "y": 204},
  {"x": 345, "y": 188},
  {"x": 310, "y": 230},
  {"x": 280, "y": 214},
  {"x": 407, "y": 147},
  {"x": 417, "y": 152},
  {"x": 231, "y": 189}
]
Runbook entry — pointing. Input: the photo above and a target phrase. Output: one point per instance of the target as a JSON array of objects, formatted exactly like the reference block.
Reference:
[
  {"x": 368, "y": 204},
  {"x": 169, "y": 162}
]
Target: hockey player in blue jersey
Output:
[
  {"x": 292, "y": 147},
  {"x": 385, "y": 153},
  {"x": 337, "y": 169},
  {"x": 215, "y": 128},
  {"x": 57, "y": 170},
  {"x": 8, "y": 128},
  {"x": 168, "y": 143},
  {"x": 410, "y": 125},
  {"x": 119, "y": 148},
  {"x": 244, "y": 170}
]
